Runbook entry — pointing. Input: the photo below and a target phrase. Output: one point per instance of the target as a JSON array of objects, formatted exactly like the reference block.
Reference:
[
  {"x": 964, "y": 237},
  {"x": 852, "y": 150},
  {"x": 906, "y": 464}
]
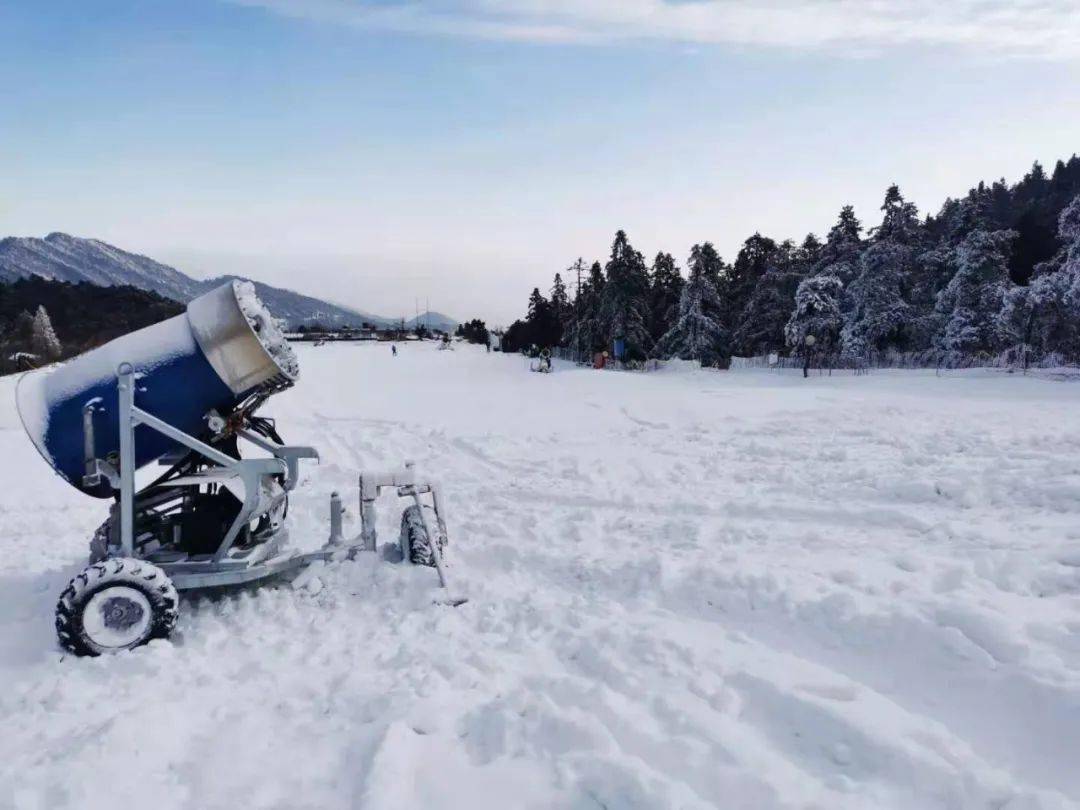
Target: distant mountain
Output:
[
  {"x": 297, "y": 309},
  {"x": 433, "y": 320},
  {"x": 61, "y": 257}
]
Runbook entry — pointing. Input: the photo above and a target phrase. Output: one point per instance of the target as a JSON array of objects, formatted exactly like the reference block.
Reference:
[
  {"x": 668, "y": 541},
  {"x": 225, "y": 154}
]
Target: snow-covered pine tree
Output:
[
  {"x": 666, "y": 289},
  {"x": 1035, "y": 318},
  {"x": 762, "y": 322},
  {"x": 1044, "y": 316},
  {"x": 970, "y": 305},
  {"x": 900, "y": 220},
  {"x": 624, "y": 303},
  {"x": 697, "y": 333},
  {"x": 1069, "y": 231},
  {"x": 839, "y": 256},
  {"x": 43, "y": 340},
  {"x": 818, "y": 313},
  {"x": 929, "y": 274},
  {"x": 879, "y": 314}
]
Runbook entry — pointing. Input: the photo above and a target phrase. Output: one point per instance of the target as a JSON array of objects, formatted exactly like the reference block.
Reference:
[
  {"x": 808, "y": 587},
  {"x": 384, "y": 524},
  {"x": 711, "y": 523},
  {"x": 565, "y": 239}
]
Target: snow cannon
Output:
[
  {"x": 185, "y": 393},
  {"x": 207, "y": 361}
]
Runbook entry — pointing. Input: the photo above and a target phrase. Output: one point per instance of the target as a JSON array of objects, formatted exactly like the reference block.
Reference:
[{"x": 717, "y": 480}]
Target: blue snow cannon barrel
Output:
[{"x": 223, "y": 349}]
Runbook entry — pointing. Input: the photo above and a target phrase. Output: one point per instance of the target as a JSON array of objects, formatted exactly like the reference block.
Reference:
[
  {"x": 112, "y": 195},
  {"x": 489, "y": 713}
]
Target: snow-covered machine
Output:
[
  {"x": 542, "y": 363},
  {"x": 184, "y": 393}
]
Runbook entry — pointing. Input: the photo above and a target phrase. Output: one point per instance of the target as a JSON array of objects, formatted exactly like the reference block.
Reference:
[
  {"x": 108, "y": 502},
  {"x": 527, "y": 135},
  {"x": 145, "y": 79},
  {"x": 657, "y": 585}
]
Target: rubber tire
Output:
[
  {"x": 148, "y": 579},
  {"x": 412, "y": 532},
  {"x": 99, "y": 543}
]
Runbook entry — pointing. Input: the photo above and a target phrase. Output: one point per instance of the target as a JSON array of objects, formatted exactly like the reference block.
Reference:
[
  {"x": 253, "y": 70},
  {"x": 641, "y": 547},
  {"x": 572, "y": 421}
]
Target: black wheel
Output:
[
  {"x": 116, "y": 605},
  {"x": 99, "y": 543},
  {"x": 415, "y": 538}
]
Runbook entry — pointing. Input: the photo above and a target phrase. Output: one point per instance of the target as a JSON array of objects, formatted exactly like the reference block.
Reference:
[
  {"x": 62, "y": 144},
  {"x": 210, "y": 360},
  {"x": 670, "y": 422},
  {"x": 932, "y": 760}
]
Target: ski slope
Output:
[{"x": 687, "y": 590}]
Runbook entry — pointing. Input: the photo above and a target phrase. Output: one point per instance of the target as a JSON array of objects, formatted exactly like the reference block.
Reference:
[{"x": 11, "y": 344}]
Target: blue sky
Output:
[{"x": 464, "y": 150}]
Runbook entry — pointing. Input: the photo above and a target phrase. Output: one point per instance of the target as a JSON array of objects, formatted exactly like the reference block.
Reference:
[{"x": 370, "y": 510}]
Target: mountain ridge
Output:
[{"x": 62, "y": 257}]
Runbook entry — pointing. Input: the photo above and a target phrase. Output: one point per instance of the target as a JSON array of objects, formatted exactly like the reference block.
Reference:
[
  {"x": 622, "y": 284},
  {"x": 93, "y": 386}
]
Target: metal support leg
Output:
[
  {"x": 126, "y": 376},
  {"x": 367, "y": 523},
  {"x": 336, "y": 537},
  {"x": 433, "y": 539},
  {"x": 89, "y": 448}
]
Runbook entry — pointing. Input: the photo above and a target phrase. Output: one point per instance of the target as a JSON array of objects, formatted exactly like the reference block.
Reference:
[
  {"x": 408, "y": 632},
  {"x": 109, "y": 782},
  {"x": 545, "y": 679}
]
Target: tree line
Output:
[
  {"x": 995, "y": 270},
  {"x": 43, "y": 320}
]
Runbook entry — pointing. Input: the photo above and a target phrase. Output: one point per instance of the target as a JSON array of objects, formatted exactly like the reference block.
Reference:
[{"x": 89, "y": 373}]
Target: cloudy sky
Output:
[{"x": 376, "y": 151}]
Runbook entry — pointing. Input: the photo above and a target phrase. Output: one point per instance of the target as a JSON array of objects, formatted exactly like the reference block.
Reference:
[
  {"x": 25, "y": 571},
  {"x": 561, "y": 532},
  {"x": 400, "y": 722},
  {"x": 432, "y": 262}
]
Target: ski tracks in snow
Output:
[{"x": 686, "y": 590}]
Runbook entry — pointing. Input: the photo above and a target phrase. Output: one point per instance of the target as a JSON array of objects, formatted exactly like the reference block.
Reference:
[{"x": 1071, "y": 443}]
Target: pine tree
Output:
[
  {"x": 666, "y": 290},
  {"x": 737, "y": 285},
  {"x": 903, "y": 285},
  {"x": 542, "y": 330},
  {"x": 929, "y": 274},
  {"x": 560, "y": 307},
  {"x": 624, "y": 302},
  {"x": 878, "y": 314},
  {"x": 900, "y": 222},
  {"x": 818, "y": 314},
  {"x": 586, "y": 335},
  {"x": 1035, "y": 318},
  {"x": 697, "y": 334},
  {"x": 762, "y": 322},
  {"x": 705, "y": 257},
  {"x": 43, "y": 340},
  {"x": 23, "y": 328},
  {"x": 810, "y": 251},
  {"x": 1045, "y": 315},
  {"x": 839, "y": 256},
  {"x": 971, "y": 304},
  {"x": 474, "y": 331}
]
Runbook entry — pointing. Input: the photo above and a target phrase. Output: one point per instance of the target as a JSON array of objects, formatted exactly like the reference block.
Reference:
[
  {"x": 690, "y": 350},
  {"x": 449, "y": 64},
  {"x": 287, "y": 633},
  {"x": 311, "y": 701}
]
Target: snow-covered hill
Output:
[
  {"x": 433, "y": 320},
  {"x": 688, "y": 590},
  {"x": 68, "y": 258}
]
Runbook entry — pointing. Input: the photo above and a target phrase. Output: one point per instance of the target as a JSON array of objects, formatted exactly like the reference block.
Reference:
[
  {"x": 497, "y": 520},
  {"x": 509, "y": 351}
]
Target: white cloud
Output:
[{"x": 1043, "y": 28}]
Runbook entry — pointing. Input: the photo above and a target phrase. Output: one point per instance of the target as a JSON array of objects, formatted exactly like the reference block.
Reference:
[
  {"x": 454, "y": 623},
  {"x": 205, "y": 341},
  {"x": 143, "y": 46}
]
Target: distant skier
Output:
[{"x": 393, "y": 349}]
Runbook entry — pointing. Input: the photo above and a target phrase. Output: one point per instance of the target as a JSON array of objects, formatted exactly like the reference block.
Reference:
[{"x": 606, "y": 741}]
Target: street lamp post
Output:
[{"x": 809, "y": 342}]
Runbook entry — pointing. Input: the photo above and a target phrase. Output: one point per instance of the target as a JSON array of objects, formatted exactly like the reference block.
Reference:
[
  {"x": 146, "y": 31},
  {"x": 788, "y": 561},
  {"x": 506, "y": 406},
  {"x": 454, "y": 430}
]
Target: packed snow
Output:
[
  {"x": 687, "y": 589},
  {"x": 266, "y": 328}
]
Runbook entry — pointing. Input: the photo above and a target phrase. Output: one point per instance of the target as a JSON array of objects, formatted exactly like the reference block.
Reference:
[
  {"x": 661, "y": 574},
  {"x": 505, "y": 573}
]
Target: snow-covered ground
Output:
[{"x": 687, "y": 590}]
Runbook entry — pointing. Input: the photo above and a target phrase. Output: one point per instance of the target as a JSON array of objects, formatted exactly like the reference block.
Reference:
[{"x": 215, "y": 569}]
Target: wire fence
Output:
[{"x": 1017, "y": 358}]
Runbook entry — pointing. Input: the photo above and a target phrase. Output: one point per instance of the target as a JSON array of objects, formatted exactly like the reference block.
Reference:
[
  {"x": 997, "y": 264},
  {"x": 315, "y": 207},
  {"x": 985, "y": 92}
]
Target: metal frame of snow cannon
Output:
[
  {"x": 182, "y": 531},
  {"x": 222, "y": 568},
  {"x": 404, "y": 481}
]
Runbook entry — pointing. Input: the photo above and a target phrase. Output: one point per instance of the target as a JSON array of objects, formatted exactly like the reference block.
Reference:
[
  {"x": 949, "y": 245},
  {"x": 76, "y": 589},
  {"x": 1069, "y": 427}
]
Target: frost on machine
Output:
[{"x": 185, "y": 393}]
